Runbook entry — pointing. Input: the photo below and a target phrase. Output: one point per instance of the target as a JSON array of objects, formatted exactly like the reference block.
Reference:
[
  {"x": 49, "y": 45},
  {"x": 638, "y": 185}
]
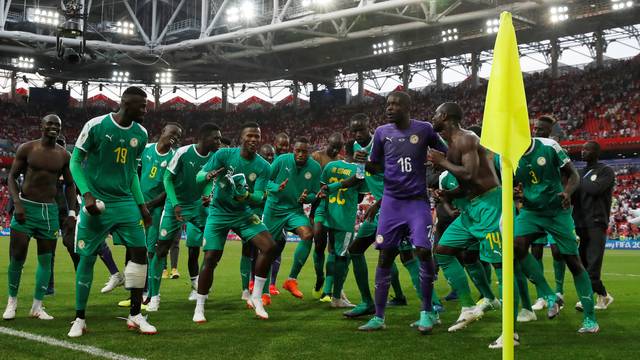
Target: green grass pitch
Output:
[{"x": 306, "y": 329}]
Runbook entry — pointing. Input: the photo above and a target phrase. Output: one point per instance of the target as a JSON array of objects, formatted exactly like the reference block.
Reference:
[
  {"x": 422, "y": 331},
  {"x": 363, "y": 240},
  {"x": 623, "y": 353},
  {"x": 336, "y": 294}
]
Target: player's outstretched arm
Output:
[
  {"x": 18, "y": 167},
  {"x": 77, "y": 172},
  {"x": 69, "y": 186},
  {"x": 169, "y": 188}
]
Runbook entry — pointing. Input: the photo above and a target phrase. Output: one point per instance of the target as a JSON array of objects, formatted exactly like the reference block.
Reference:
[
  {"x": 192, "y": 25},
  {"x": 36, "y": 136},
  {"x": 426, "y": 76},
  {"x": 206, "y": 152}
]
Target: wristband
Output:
[{"x": 72, "y": 213}]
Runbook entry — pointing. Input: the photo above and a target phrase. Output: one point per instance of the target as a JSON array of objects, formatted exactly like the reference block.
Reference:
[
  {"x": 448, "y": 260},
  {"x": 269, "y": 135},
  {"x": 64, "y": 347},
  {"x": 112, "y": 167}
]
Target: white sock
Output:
[
  {"x": 37, "y": 304},
  {"x": 194, "y": 282},
  {"x": 258, "y": 285},
  {"x": 201, "y": 299}
]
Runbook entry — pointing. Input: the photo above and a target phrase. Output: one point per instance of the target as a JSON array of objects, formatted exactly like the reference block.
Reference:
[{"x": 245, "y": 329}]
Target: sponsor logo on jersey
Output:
[
  {"x": 81, "y": 244},
  {"x": 307, "y": 175},
  {"x": 593, "y": 177},
  {"x": 414, "y": 139},
  {"x": 133, "y": 142},
  {"x": 379, "y": 239},
  {"x": 252, "y": 176},
  {"x": 163, "y": 164},
  {"x": 148, "y": 157},
  {"x": 163, "y": 232},
  {"x": 255, "y": 219},
  {"x": 542, "y": 161},
  {"x": 107, "y": 136}
]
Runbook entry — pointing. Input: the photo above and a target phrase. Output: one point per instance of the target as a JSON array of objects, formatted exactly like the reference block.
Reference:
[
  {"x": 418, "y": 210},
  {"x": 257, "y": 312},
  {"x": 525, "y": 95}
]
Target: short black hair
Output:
[
  {"x": 171, "y": 123},
  {"x": 596, "y": 144},
  {"x": 406, "y": 98},
  {"x": 206, "y": 129},
  {"x": 282, "y": 135},
  {"x": 548, "y": 118},
  {"x": 301, "y": 139},
  {"x": 359, "y": 117},
  {"x": 134, "y": 90},
  {"x": 226, "y": 141},
  {"x": 249, "y": 124}
]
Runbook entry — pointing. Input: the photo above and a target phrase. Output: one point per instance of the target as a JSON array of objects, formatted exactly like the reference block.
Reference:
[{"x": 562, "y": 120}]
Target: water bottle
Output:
[{"x": 359, "y": 171}]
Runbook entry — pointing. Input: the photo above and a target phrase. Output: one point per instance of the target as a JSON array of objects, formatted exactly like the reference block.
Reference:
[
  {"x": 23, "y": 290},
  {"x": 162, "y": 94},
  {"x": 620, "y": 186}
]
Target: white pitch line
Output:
[
  {"x": 605, "y": 274},
  {"x": 66, "y": 344}
]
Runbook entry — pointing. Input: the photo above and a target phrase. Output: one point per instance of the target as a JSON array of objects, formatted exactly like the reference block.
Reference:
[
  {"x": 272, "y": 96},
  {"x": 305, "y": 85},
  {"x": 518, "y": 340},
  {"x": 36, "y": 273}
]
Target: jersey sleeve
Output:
[
  {"x": 215, "y": 162},
  {"x": 262, "y": 179},
  {"x": 377, "y": 149},
  {"x": 561, "y": 157},
  {"x": 87, "y": 138},
  {"x": 272, "y": 186}
]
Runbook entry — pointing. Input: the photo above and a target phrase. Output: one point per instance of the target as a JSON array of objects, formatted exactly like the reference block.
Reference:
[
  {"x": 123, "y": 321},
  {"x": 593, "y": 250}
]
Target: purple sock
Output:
[
  {"x": 427, "y": 270},
  {"x": 275, "y": 267},
  {"x": 107, "y": 259},
  {"x": 383, "y": 281}
]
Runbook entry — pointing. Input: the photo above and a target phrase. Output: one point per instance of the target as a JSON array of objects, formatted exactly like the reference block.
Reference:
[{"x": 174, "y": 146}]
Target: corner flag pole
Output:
[{"x": 505, "y": 131}]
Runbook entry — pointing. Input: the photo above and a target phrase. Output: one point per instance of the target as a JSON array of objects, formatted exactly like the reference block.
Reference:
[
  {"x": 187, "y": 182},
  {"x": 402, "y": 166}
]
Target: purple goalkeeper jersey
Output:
[{"x": 403, "y": 153}]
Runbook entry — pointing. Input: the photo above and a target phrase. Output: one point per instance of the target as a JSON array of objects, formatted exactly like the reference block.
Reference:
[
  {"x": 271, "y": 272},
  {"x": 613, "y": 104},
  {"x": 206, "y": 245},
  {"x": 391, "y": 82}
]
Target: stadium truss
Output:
[{"x": 293, "y": 46}]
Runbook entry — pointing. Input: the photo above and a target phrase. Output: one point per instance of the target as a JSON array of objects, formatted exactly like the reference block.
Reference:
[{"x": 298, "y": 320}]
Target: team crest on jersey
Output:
[
  {"x": 81, "y": 244},
  {"x": 83, "y": 137},
  {"x": 255, "y": 219},
  {"x": 542, "y": 161},
  {"x": 163, "y": 164},
  {"x": 163, "y": 232},
  {"x": 307, "y": 175},
  {"x": 593, "y": 177},
  {"x": 414, "y": 139},
  {"x": 252, "y": 177},
  {"x": 133, "y": 142},
  {"x": 379, "y": 239}
]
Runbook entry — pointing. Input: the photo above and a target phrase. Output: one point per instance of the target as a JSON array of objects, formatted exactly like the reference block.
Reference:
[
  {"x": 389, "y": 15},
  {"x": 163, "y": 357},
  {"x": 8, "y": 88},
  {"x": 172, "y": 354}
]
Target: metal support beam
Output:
[
  {"x": 85, "y": 93},
  {"x": 216, "y": 19},
  {"x": 401, "y": 17},
  {"x": 171, "y": 20},
  {"x": 406, "y": 74},
  {"x": 439, "y": 71},
  {"x": 4, "y": 12},
  {"x": 555, "y": 55},
  {"x": 154, "y": 20},
  {"x": 204, "y": 17},
  {"x": 14, "y": 84},
  {"x": 294, "y": 92},
  {"x": 600, "y": 46},
  {"x": 135, "y": 21},
  {"x": 225, "y": 97},
  {"x": 284, "y": 10},
  {"x": 156, "y": 97},
  {"x": 475, "y": 68},
  {"x": 360, "y": 87}
]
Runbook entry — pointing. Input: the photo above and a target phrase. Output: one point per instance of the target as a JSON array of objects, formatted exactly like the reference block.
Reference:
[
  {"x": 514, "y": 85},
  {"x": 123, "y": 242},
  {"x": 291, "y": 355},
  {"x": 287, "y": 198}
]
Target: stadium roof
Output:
[{"x": 230, "y": 41}]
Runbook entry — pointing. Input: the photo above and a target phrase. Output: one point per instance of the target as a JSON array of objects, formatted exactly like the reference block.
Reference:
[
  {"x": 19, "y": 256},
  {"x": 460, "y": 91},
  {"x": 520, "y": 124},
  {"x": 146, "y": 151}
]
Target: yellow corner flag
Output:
[{"x": 505, "y": 131}]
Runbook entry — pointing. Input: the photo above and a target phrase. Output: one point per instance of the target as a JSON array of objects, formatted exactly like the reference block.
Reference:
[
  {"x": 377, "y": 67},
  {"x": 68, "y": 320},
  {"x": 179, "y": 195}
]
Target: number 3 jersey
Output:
[
  {"x": 112, "y": 156},
  {"x": 403, "y": 152},
  {"x": 153, "y": 165},
  {"x": 539, "y": 173}
]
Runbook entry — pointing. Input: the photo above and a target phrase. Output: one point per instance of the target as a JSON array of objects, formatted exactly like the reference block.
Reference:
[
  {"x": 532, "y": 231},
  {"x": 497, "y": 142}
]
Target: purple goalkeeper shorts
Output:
[{"x": 401, "y": 218}]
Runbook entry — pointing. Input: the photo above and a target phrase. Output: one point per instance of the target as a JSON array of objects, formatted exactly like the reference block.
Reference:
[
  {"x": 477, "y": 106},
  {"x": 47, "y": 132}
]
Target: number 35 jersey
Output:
[
  {"x": 539, "y": 173},
  {"x": 153, "y": 165},
  {"x": 112, "y": 156},
  {"x": 403, "y": 153}
]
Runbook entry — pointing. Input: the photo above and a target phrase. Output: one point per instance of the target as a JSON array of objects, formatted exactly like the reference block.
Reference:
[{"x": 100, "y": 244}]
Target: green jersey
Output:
[
  {"x": 539, "y": 173},
  {"x": 340, "y": 208},
  {"x": 251, "y": 175},
  {"x": 112, "y": 157},
  {"x": 153, "y": 165},
  {"x": 185, "y": 165},
  {"x": 375, "y": 182},
  {"x": 449, "y": 182},
  {"x": 306, "y": 177}
]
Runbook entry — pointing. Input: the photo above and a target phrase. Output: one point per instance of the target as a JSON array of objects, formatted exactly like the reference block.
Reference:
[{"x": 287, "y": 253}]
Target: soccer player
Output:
[
  {"x": 281, "y": 144},
  {"x": 592, "y": 207},
  {"x": 111, "y": 146},
  {"x": 320, "y": 236},
  {"x": 400, "y": 150},
  {"x": 547, "y": 211},
  {"x": 241, "y": 177},
  {"x": 294, "y": 181},
  {"x": 337, "y": 213},
  {"x": 543, "y": 128},
  {"x": 472, "y": 166},
  {"x": 183, "y": 205},
  {"x": 41, "y": 162}
]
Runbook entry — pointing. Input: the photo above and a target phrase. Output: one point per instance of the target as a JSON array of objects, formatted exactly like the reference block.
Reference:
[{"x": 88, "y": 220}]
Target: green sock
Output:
[
  {"x": 299, "y": 258},
  {"x": 265, "y": 288},
  {"x": 531, "y": 269},
  {"x": 395, "y": 281},
  {"x": 43, "y": 275},
  {"x": 340, "y": 276},
  {"x": 499, "y": 276},
  {"x": 413, "y": 267},
  {"x": 435, "y": 300},
  {"x": 84, "y": 278},
  {"x": 559, "y": 268},
  {"x": 15, "y": 271},
  {"x": 539, "y": 290},
  {"x": 487, "y": 270},
  {"x": 329, "y": 271},
  {"x": 361, "y": 273},
  {"x": 245, "y": 271},
  {"x": 477, "y": 274},
  {"x": 155, "y": 275},
  {"x": 522, "y": 286},
  {"x": 585, "y": 293},
  {"x": 456, "y": 277}
]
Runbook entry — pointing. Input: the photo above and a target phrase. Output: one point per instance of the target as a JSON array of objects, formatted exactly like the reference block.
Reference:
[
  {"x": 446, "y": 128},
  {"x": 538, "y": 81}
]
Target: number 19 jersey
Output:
[{"x": 112, "y": 156}]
